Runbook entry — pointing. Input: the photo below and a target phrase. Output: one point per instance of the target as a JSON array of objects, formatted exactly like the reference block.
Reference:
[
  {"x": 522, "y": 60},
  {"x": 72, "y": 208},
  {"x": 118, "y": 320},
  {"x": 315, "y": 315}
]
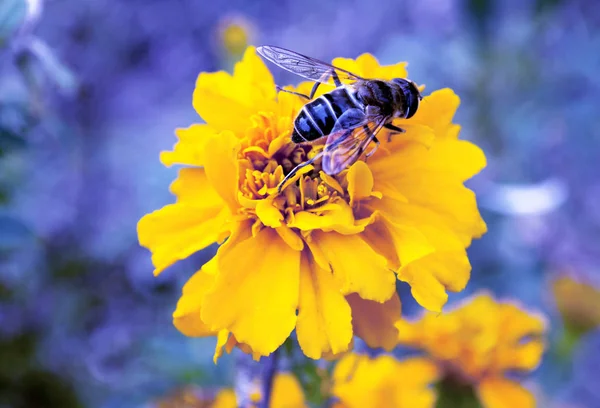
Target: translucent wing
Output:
[
  {"x": 304, "y": 66},
  {"x": 345, "y": 146}
]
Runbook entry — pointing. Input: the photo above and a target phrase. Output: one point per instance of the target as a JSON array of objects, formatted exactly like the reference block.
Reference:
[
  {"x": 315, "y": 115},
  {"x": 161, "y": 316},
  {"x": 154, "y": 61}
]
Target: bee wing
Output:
[
  {"x": 307, "y": 67},
  {"x": 345, "y": 146}
]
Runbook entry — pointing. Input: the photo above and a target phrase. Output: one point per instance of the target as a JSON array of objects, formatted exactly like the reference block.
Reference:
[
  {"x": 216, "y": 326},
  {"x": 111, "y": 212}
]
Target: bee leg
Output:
[
  {"x": 394, "y": 129},
  {"x": 373, "y": 150},
  {"x": 295, "y": 170},
  {"x": 324, "y": 78},
  {"x": 313, "y": 91},
  {"x": 336, "y": 79},
  {"x": 280, "y": 89}
]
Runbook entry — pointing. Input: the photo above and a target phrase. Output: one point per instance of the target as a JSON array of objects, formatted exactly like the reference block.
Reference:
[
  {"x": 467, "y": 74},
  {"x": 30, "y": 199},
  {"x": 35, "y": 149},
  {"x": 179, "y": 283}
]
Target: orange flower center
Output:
[{"x": 268, "y": 155}]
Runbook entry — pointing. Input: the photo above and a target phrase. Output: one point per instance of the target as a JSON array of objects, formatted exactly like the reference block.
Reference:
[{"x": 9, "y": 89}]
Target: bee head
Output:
[{"x": 412, "y": 95}]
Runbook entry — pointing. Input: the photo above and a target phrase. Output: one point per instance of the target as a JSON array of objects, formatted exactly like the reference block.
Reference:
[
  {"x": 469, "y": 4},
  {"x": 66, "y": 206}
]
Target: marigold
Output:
[
  {"x": 480, "y": 341},
  {"x": 323, "y": 255},
  {"x": 286, "y": 393},
  {"x": 362, "y": 382}
]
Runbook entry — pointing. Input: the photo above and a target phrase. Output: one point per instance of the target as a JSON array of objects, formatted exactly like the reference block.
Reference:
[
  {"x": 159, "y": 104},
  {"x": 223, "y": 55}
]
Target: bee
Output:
[{"x": 350, "y": 116}]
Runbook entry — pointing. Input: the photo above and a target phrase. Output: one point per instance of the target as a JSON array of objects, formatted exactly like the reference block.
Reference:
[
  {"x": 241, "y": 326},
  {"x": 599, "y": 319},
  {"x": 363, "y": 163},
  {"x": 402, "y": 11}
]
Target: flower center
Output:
[{"x": 268, "y": 155}]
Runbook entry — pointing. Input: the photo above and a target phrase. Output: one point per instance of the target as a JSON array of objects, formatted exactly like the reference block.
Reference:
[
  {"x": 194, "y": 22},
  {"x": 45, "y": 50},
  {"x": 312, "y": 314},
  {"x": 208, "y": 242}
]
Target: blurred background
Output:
[{"x": 91, "y": 91}]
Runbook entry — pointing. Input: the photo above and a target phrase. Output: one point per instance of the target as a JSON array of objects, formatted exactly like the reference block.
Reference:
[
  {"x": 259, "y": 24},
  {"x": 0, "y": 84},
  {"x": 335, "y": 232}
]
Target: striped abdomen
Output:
[{"x": 317, "y": 118}]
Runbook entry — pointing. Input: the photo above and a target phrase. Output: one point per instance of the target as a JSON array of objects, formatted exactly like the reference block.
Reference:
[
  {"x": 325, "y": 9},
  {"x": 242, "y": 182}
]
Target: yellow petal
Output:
[
  {"x": 324, "y": 320},
  {"x": 430, "y": 224},
  {"x": 503, "y": 393},
  {"x": 367, "y": 66},
  {"x": 458, "y": 159},
  {"x": 410, "y": 243},
  {"x": 379, "y": 238},
  {"x": 523, "y": 357},
  {"x": 255, "y": 295},
  {"x": 189, "y": 149},
  {"x": 216, "y": 102},
  {"x": 360, "y": 381},
  {"x": 187, "y": 315},
  {"x": 253, "y": 72},
  {"x": 222, "y": 166},
  {"x": 193, "y": 187},
  {"x": 267, "y": 213},
  {"x": 287, "y": 392},
  {"x": 418, "y": 371},
  {"x": 222, "y": 339},
  {"x": 225, "y": 399},
  {"x": 445, "y": 198},
  {"x": 357, "y": 266},
  {"x": 437, "y": 111},
  {"x": 176, "y": 231},
  {"x": 430, "y": 276},
  {"x": 228, "y": 102},
  {"x": 360, "y": 182},
  {"x": 518, "y": 324},
  {"x": 374, "y": 322},
  {"x": 333, "y": 216},
  {"x": 290, "y": 237}
]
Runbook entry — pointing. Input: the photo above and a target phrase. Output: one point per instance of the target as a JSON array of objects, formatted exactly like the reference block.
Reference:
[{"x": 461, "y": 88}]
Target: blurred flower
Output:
[
  {"x": 478, "y": 343},
  {"x": 362, "y": 382},
  {"x": 286, "y": 393},
  {"x": 366, "y": 224},
  {"x": 235, "y": 33},
  {"x": 578, "y": 302}
]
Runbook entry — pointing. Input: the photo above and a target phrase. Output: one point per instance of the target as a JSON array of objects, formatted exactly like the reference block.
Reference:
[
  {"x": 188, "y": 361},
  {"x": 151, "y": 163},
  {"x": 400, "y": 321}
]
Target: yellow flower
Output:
[
  {"x": 322, "y": 256},
  {"x": 480, "y": 341},
  {"x": 286, "y": 393},
  {"x": 235, "y": 32},
  {"x": 362, "y": 382}
]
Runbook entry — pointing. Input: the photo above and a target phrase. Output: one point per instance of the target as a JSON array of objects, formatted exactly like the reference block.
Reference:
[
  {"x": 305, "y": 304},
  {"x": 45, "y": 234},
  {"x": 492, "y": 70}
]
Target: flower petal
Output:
[
  {"x": 360, "y": 381},
  {"x": 255, "y": 295},
  {"x": 222, "y": 340},
  {"x": 222, "y": 167},
  {"x": 356, "y": 265},
  {"x": 367, "y": 66},
  {"x": 437, "y": 111},
  {"x": 225, "y": 399},
  {"x": 374, "y": 322},
  {"x": 186, "y": 317},
  {"x": 502, "y": 393},
  {"x": 287, "y": 392},
  {"x": 522, "y": 357},
  {"x": 267, "y": 213},
  {"x": 189, "y": 149},
  {"x": 219, "y": 96},
  {"x": 192, "y": 186},
  {"x": 442, "y": 197},
  {"x": 176, "y": 231},
  {"x": 380, "y": 239},
  {"x": 430, "y": 276},
  {"x": 290, "y": 237},
  {"x": 334, "y": 216},
  {"x": 324, "y": 318},
  {"x": 360, "y": 182}
]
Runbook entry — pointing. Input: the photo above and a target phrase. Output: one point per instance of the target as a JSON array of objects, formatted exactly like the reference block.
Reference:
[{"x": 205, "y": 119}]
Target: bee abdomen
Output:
[{"x": 317, "y": 118}]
